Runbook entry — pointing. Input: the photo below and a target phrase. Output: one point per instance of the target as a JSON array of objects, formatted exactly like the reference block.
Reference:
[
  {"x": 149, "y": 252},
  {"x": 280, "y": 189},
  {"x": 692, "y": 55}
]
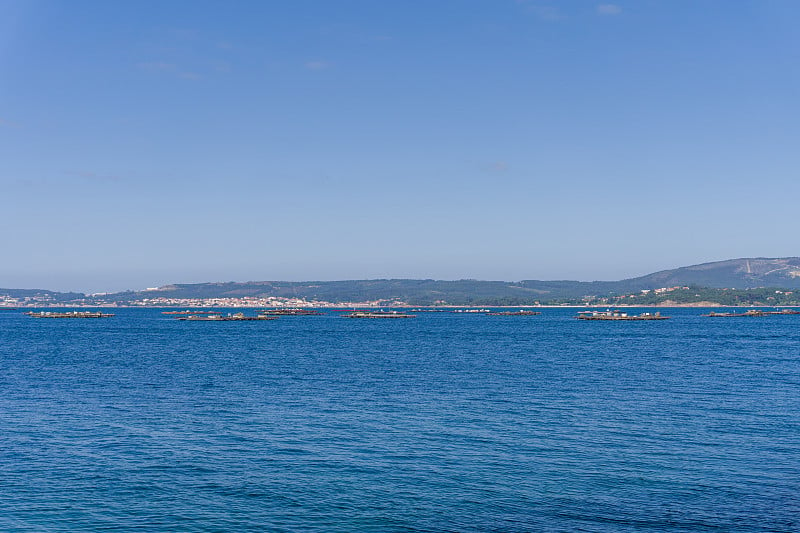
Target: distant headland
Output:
[{"x": 744, "y": 282}]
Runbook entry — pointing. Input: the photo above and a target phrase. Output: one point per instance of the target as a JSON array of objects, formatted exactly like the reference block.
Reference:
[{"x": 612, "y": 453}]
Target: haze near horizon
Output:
[{"x": 150, "y": 143}]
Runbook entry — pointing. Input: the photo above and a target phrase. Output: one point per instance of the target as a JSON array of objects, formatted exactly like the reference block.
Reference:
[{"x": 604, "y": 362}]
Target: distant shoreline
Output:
[{"x": 442, "y": 307}]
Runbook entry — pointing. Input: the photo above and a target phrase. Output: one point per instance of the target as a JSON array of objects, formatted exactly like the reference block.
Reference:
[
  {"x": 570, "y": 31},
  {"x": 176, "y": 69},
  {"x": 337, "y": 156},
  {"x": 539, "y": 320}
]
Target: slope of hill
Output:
[
  {"x": 415, "y": 291},
  {"x": 743, "y": 273},
  {"x": 40, "y": 295},
  {"x": 747, "y": 273},
  {"x": 734, "y": 273}
]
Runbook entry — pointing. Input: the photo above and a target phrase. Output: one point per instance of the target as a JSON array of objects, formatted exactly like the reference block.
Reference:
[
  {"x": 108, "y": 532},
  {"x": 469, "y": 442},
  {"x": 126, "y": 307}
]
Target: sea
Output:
[{"x": 446, "y": 422}]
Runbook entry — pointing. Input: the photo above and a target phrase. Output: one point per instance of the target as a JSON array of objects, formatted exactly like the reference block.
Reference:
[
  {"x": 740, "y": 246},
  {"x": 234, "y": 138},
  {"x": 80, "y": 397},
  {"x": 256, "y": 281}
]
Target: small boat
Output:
[{"x": 618, "y": 315}]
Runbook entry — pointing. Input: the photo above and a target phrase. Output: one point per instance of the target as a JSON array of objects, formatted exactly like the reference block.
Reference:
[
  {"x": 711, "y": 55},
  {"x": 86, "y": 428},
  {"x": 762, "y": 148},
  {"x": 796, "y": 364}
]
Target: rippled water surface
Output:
[{"x": 440, "y": 423}]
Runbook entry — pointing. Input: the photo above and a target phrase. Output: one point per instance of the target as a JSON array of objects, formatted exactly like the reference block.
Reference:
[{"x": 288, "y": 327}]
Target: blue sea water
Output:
[{"x": 441, "y": 423}]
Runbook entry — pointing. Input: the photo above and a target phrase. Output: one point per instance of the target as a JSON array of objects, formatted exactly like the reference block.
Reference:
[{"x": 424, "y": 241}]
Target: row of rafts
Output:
[{"x": 272, "y": 314}]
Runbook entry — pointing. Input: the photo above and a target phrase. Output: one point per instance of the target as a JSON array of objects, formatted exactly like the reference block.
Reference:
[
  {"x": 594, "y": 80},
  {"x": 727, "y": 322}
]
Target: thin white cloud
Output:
[
  {"x": 92, "y": 176},
  {"x": 8, "y": 123},
  {"x": 183, "y": 33},
  {"x": 317, "y": 65},
  {"x": 542, "y": 10},
  {"x": 222, "y": 66},
  {"x": 157, "y": 66},
  {"x": 608, "y": 9},
  {"x": 168, "y": 68},
  {"x": 546, "y": 12},
  {"x": 493, "y": 167},
  {"x": 189, "y": 75}
]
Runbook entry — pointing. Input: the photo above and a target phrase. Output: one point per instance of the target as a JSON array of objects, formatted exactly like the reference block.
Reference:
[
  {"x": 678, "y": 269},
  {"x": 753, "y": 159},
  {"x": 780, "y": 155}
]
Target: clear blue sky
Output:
[{"x": 150, "y": 142}]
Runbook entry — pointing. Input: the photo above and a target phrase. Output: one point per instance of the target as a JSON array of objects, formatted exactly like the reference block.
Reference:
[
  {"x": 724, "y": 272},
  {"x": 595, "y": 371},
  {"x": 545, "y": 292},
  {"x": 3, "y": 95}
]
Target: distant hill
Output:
[
  {"x": 41, "y": 294},
  {"x": 415, "y": 291},
  {"x": 744, "y": 273},
  {"x": 734, "y": 273}
]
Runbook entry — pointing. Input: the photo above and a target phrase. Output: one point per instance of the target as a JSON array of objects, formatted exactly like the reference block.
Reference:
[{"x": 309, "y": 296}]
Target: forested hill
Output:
[
  {"x": 40, "y": 294},
  {"x": 783, "y": 273},
  {"x": 744, "y": 273},
  {"x": 734, "y": 273}
]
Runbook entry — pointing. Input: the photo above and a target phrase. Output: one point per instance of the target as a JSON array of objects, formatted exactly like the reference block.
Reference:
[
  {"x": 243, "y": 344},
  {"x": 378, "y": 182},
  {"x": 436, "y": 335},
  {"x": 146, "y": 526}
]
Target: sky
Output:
[{"x": 146, "y": 143}]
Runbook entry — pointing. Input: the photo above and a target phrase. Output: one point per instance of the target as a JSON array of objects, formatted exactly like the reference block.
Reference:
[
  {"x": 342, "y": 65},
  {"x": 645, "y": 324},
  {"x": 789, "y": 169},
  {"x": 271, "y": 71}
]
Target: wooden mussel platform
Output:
[
  {"x": 236, "y": 317},
  {"x": 521, "y": 312},
  {"x": 619, "y": 315},
  {"x": 69, "y": 314},
  {"x": 378, "y": 314},
  {"x": 754, "y": 313},
  {"x": 290, "y": 312},
  {"x": 189, "y": 312},
  {"x": 751, "y": 313}
]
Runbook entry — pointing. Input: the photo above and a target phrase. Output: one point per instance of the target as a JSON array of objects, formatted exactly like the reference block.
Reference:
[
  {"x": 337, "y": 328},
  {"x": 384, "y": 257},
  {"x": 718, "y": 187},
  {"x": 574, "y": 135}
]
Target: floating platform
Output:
[
  {"x": 754, "y": 312},
  {"x": 238, "y": 317},
  {"x": 378, "y": 314},
  {"x": 188, "y": 312},
  {"x": 69, "y": 314},
  {"x": 751, "y": 312},
  {"x": 618, "y": 315},
  {"x": 521, "y": 312},
  {"x": 290, "y": 312}
]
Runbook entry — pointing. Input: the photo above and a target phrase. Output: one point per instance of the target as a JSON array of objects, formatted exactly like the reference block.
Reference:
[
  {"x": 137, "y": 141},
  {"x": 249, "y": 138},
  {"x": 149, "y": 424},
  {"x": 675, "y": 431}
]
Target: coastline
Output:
[{"x": 671, "y": 305}]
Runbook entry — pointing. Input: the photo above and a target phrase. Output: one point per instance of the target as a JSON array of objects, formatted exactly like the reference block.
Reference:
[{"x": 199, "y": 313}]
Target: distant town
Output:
[
  {"x": 48, "y": 300},
  {"x": 733, "y": 282},
  {"x": 663, "y": 296}
]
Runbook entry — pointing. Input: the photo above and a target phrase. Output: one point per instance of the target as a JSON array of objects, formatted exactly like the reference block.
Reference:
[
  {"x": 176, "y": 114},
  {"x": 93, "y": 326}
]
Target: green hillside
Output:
[{"x": 743, "y": 279}]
